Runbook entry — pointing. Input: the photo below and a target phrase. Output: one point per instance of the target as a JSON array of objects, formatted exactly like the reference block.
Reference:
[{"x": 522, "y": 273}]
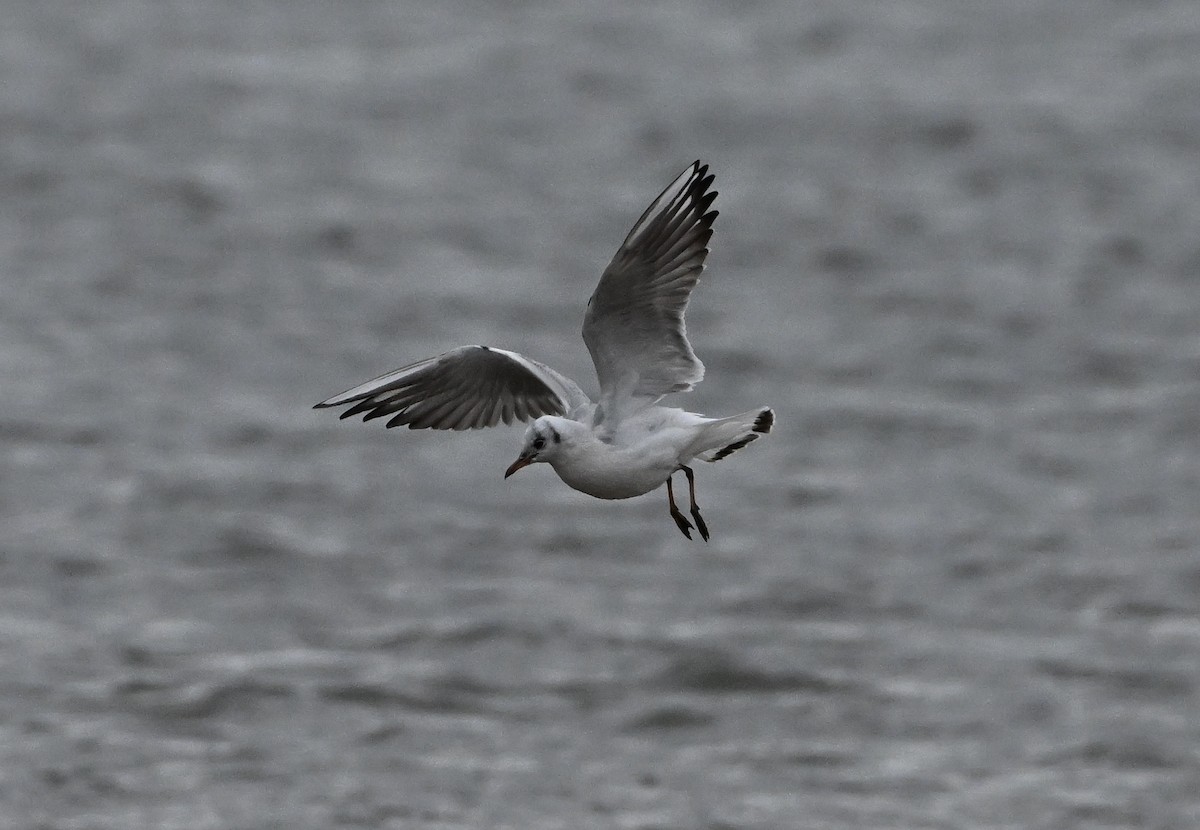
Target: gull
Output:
[{"x": 623, "y": 444}]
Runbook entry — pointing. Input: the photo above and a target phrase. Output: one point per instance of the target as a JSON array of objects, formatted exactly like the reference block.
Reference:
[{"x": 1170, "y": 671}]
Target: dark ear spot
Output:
[{"x": 556, "y": 436}]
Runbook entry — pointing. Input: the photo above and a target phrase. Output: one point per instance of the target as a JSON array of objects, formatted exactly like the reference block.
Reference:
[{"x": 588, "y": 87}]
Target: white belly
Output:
[{"x": 615, "y": 474}]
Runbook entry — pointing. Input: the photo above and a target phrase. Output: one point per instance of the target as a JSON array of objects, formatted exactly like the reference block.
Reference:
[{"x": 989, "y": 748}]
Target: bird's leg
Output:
[
  {"x": 684, "y": 526},
  {"x": 700, "y": 525}
]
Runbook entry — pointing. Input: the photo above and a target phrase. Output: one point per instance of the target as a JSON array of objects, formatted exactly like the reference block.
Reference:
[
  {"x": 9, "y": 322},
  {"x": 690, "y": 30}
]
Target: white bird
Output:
[{"x": 624, "y": 444}]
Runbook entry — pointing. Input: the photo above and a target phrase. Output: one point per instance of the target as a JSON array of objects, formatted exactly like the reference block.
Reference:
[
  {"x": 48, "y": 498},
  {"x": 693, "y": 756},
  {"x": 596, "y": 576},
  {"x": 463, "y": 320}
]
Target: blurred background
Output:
[{"x": 957, "y": 253}]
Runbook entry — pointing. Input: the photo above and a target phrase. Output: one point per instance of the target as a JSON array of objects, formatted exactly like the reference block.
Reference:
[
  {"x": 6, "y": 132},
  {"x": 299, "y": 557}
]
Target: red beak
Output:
[{"x": 523, "y": 461}]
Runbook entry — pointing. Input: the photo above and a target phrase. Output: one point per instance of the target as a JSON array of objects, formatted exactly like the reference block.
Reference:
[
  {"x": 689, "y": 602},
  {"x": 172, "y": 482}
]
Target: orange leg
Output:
[
  {"x": 700, "y": 525},
  {"x": 683, "y": 523}
]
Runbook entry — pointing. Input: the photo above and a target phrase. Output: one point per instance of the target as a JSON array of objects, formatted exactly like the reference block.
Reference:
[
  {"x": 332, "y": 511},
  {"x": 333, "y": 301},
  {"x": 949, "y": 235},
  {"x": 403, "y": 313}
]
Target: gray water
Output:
[{"x": 958, "y": 254}]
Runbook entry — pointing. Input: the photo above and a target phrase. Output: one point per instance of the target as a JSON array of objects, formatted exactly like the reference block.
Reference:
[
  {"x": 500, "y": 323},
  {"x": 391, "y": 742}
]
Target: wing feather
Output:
[
  {"x": 467, "y": 388},
  {"x": 634, "y": 327},
  {"x": 456, "y": 417}
]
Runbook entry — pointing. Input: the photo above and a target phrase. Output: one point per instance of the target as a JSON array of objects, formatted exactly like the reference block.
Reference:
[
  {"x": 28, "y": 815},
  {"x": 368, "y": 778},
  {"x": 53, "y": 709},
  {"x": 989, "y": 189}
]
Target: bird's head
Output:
[{"x": 543, "y": 440}]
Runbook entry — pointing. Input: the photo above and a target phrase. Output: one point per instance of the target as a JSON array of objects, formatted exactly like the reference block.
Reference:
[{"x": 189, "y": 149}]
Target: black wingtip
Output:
[{"x": 699, "y": 177}]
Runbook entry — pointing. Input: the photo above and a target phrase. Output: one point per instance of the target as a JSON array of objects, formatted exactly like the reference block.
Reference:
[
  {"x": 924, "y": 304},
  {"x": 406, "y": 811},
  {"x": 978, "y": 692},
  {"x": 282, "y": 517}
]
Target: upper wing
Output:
[
  {"x": 634, "y": 323},
  {"x": 467, "y": 388}
]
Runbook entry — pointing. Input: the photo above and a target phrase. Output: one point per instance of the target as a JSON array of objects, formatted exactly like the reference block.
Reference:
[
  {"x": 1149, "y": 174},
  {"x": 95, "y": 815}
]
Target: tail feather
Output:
[
  {"x": 725, "y": 436},
  {"x": 730, "y": 449},
  {"x": 765, "y": 420}
]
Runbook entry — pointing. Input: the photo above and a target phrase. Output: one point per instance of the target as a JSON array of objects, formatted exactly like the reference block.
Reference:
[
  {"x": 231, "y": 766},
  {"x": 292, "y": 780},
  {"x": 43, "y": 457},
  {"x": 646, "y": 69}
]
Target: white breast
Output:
[{"x": 605, "y": 472}]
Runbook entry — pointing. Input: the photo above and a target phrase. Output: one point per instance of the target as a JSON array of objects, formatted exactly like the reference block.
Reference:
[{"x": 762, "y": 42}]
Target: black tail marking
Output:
[
  {"x": 764, "y": 421},
  {"x": 729, "y": 449}
]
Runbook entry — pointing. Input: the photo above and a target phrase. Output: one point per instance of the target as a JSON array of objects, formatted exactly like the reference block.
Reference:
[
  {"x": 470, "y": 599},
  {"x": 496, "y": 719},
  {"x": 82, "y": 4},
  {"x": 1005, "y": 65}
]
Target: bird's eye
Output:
[{"x": 539, "y": 442}]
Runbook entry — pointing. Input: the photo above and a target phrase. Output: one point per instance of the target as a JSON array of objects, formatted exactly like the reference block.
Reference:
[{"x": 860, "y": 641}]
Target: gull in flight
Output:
[{"x": 623, "y": 444}]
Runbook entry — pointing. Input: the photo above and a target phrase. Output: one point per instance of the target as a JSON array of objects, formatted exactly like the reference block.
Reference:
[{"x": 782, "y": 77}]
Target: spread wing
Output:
[
  {"x": 470, "y": 387},
  {"x": 634, "y": 325}
]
